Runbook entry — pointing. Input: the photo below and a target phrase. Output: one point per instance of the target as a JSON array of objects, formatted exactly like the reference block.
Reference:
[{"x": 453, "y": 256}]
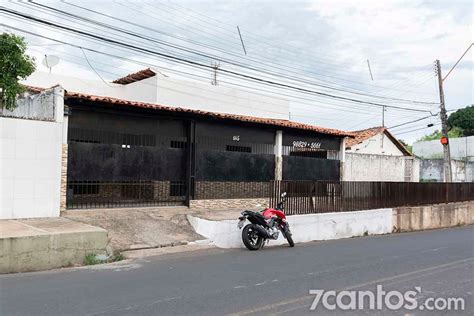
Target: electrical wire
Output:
[
  {"x": 198, "y": 64},
  {"x": 280, "y": 75}
]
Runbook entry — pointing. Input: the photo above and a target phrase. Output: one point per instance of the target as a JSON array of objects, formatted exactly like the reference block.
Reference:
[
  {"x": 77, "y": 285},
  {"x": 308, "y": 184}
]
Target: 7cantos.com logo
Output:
[{"x": 380, "y": 299}]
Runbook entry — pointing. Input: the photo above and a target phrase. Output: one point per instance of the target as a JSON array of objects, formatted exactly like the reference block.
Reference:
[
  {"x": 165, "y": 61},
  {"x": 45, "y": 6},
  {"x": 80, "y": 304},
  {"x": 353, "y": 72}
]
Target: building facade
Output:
[{"x": 124, "y": 153}]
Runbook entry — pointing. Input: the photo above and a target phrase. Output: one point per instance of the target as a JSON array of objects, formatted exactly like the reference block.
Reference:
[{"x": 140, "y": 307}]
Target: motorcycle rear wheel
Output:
[{"x": 251, "y": 238}]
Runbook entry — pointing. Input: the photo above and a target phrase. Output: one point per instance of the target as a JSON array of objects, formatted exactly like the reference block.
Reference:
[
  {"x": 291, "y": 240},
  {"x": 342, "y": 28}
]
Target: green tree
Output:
[
  {"x": 405, "y": 144},
  {"x": 464, "y": 120},
  {"x": 453, "y": 133},
  {"x": 15, "y": 65}
]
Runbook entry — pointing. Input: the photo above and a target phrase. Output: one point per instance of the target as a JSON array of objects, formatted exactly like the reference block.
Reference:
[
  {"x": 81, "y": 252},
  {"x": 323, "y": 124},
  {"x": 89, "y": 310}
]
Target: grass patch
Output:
[{"x": 92, "y": 259}]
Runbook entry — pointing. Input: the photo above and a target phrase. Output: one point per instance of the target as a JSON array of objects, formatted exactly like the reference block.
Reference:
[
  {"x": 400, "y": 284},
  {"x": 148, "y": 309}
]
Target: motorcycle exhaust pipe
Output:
[{"x": 262, "y": 231}]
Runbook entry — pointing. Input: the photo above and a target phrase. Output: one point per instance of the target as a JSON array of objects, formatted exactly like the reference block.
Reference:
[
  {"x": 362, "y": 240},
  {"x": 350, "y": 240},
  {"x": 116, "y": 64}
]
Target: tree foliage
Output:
[
  {"x": 464, "y": 120},
  {"x": 405, "y": 144},
  {"x": 15, "y": 65},
  {"x": 453, "y": 133}
]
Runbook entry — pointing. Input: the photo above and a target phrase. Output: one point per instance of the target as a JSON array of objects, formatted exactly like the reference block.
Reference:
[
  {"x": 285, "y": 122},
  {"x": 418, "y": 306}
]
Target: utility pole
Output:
[
  {"x": 215, "y": 66},
  {"x": 444, "y": 127},
  {"x": 383, "y": 116}
]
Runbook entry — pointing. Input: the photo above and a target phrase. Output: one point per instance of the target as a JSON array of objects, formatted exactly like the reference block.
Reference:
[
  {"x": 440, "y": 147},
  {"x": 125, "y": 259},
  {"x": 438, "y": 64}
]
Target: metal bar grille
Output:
[
  {"x": 98, "y": 194},
  {"x": 305, "y": 197}
]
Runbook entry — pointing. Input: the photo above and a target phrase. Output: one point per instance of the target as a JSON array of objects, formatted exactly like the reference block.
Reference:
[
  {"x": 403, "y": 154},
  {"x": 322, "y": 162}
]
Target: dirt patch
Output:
[{"x": 140, "y": 227}]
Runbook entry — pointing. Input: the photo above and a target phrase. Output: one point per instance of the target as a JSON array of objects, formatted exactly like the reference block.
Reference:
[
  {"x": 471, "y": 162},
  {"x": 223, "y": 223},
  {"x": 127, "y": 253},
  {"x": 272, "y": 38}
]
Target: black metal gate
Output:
[{"x": 117, "y": 160}]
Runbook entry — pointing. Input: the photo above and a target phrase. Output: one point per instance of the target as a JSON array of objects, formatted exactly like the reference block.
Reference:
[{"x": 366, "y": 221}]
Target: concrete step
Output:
[{"x": 47, "y": 243}]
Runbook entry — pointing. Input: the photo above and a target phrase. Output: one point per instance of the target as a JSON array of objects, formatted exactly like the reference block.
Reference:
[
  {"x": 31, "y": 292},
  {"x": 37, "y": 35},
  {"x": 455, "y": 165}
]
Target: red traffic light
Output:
[{"x": 444, "y": 140}]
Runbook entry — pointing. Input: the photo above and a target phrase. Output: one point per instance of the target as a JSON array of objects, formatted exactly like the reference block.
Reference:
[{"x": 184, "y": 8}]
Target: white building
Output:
[
  {"x": 376, "y": 155},
  {"x": 462, "y": 159},
  {"x": 461, "y": 148},
  {"x": 151, "y": 87}
]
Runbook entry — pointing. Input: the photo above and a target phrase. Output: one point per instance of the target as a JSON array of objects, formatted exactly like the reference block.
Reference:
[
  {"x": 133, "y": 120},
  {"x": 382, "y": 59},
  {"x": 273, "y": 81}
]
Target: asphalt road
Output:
[{"x": 275, "y": 280}]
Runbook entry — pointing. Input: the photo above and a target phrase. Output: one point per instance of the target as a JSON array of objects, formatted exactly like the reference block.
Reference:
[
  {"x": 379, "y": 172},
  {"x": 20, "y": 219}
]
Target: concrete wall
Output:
[
  {"x": 364, "y": 167},
  {"x": 433, "y": 216},
  {"x": 225, "y": 234},
  {"x": 222, "y": 204},
  {"x": 461, "y": 148},
  {"x": 34, "y": 106},
  {"x": 30, "y": 162},
  {"x": 175, "y": 92},
  {"x": 433, "y": 170},
  {"x": 38, "y": 244},
  {"x": 379, "y": 144}
]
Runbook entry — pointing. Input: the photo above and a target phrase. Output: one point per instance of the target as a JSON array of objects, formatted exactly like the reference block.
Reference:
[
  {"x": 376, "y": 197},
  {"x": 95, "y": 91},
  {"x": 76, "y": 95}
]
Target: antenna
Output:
[
  {"x": 215, "y": 67},
  {"x": 370, "y": 70},
  {"x": 241, "y": 40},
  {"x": 49, "y": 61}
]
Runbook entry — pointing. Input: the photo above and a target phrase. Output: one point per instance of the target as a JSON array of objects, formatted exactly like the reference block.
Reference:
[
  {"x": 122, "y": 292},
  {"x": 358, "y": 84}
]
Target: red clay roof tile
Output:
[
  {"x": 136, "y": 76},
  {"x": 242, "y": 118}
]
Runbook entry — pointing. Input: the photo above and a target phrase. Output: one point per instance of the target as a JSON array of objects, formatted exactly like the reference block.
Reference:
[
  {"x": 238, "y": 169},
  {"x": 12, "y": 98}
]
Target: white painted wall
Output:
[
  {"x": 225, "y": 234},
  {"x": 433, "y": 170},
  {"x": 174, "y": 92},
  {"x": 30, "y": 163},
  {"x": 379, "y": 144},
  {"x": 461, "y": 148},
  {"x": 363, "y": 167}
]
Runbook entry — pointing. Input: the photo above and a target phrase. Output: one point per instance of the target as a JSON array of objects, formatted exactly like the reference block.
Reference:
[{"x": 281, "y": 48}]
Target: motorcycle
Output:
[{"x": 265, "y": 225}]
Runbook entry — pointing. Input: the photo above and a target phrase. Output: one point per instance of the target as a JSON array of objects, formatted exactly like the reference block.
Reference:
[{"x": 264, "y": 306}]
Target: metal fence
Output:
[
  {"x": 98, "y": 194},
  {"x": 306, "y": 197}
]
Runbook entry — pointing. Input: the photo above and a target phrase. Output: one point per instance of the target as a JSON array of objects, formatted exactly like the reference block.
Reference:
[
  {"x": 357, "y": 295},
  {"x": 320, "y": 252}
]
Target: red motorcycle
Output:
[{"x": 265, "y": 225}]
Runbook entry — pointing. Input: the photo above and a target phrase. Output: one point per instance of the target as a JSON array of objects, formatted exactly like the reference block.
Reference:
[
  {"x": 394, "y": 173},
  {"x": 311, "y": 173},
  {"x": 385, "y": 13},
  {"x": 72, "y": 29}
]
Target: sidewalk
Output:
[
  {"x": 140, "y": 228},
  {"x": 147, "y": 228},
  {"x": 47, "y": 243}
]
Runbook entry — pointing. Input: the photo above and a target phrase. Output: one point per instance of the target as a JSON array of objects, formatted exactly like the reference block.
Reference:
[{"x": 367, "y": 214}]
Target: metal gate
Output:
[{"x": 117, "y": 160}]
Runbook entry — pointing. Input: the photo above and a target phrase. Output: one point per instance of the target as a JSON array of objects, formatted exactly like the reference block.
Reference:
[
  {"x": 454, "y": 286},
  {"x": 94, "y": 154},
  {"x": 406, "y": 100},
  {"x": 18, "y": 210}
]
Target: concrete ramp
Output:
[{"x": 47, "y": 243}]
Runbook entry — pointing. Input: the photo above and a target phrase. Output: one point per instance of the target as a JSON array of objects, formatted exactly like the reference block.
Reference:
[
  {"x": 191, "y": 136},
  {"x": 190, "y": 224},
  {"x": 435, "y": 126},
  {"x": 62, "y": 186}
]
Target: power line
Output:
[
  {"x": 457, "y": 62},
  {"x": 155, "y": 86},
  {"x": 280, "y": 75},
  {"x": 417, "y": 120},
  {"x": 215, "y": 48},
  {"x": 88, "y": 62},
  {"x": 418, "y": 129},
  {"x": 183, "y": 60}
]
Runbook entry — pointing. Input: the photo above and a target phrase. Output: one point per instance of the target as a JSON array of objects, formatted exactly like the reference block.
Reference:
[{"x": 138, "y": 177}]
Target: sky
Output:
[{"x": 318, "y": 45}]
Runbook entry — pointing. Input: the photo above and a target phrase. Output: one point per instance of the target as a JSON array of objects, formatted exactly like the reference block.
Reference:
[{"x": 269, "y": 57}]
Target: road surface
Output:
[{"x": 275, "y": 280}]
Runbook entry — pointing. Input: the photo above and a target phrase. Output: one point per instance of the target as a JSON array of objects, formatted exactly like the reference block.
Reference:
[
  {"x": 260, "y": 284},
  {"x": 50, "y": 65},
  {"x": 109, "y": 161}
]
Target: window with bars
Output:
[
  {"x": 106, "y": 137},
  {"x": 310, "y": 153},
  {"x": 178, "y": 144},
  {"x": 240, "y": 149}
]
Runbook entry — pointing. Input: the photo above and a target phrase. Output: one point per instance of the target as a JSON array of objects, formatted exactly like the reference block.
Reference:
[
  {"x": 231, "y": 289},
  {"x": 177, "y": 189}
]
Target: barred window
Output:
[
  {"x": 178, "y": 144},
  {"x": 241, "y": 149}
]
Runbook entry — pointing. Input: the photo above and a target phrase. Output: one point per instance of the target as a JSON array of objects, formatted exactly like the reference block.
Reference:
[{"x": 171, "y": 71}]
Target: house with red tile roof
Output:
[
  {"x": 374, "y": 154},
  {"x": 376, "y": 141},
  {"x": 125, "y": 153}
]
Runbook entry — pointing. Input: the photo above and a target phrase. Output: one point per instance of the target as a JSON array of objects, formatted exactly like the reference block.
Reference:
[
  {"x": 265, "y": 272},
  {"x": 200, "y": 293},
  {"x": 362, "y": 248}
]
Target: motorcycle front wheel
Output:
[
  {"x": 287, "y": 234},
  {"x": 251, "y": 238},
  {"x": 290, "y": 240}
]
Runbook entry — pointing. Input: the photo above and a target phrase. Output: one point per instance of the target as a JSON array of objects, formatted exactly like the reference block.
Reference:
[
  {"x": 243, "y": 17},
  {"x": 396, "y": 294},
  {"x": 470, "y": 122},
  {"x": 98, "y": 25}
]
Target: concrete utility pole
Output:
[{"x": 444, "y": 127}]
